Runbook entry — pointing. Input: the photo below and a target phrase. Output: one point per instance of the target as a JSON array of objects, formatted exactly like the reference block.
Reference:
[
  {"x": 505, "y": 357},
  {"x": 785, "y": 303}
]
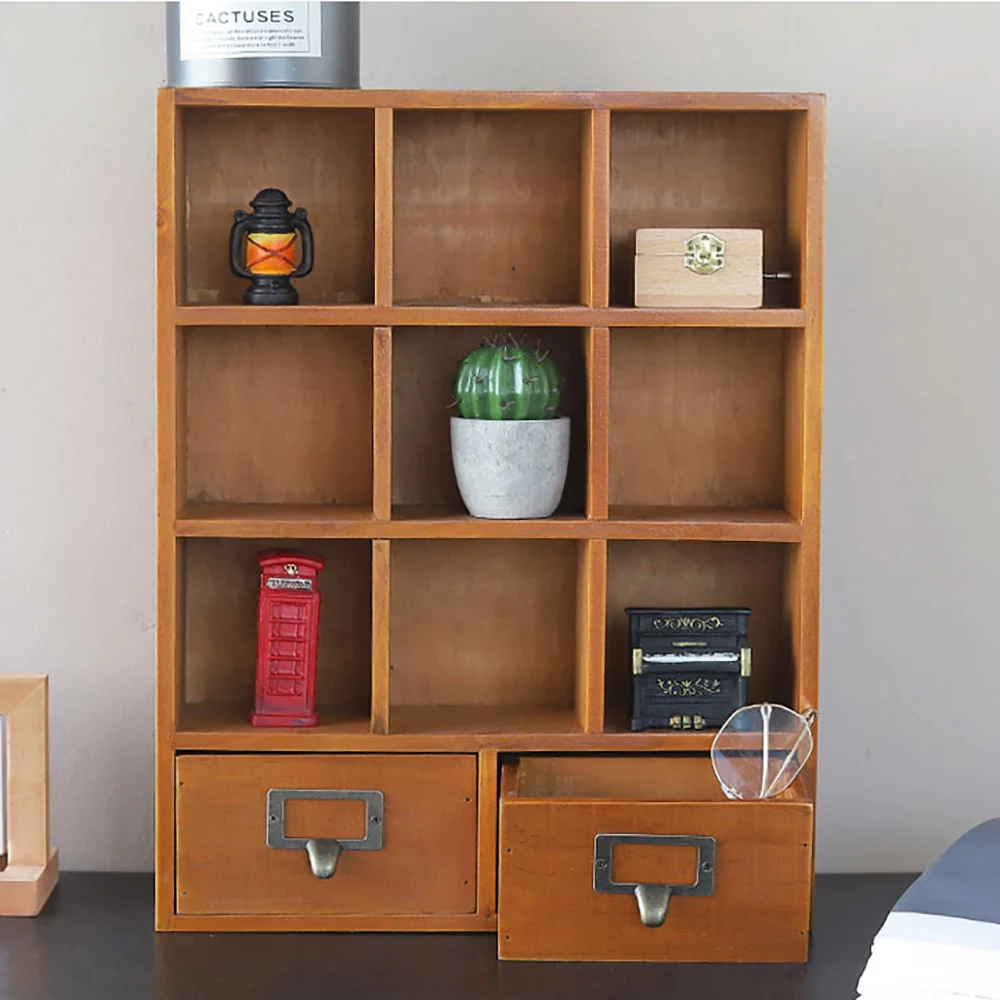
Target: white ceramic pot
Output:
[{"x": 510, "y": 469}]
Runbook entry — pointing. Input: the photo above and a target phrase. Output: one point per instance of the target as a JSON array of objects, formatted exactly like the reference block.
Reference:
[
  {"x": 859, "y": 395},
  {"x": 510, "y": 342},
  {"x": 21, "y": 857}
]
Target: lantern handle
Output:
[
  {"x": 240, "y": 227},
  {"x": 301, "y": 223}
]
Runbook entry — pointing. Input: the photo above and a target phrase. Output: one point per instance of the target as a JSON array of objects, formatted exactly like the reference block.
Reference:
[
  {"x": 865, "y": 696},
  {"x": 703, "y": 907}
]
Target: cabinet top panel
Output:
[{"x": 492, "y": 99}]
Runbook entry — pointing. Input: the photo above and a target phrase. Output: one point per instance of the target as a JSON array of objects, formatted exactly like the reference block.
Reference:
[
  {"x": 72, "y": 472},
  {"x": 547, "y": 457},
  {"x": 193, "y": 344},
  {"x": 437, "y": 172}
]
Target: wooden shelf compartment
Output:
[
  {"x": 488, "y": 206},
  {"x": 705, "y": 169},
  {"x": 700, "y": 575},
  {"x": 322, "y": 158},
  {"x": 706, "y": 419},
  {"x": 276, "y": 415},
  {"x": 218, "y": 639},
  {"x": 475, "y": 315},
  {"x": 424, "y": 363},
  {"x": 491, "y": 636}
]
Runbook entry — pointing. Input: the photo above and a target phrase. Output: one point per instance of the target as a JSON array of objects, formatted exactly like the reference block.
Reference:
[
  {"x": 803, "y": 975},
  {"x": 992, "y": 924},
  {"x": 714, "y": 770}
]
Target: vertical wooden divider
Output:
[
  {"x": 593, "y": 554},
  {"x": 598, "y": 406},
  {"x": 169, "y": 491},
  {"x": 380, "y": 636},
  {"x": 382, "y": 417},
  {"x": 595, "y": 214},
  {"x": 383, "y": 207},
  {"x": 486, "y": 889},
  {"x": 382, "y": 424},
  {"x": 591, "y": 590}
]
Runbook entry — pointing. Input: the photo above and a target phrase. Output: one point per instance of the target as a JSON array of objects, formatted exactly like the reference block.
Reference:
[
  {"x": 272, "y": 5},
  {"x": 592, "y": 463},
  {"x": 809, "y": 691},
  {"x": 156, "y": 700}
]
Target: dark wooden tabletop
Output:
[{"x": 94, "y": 941}]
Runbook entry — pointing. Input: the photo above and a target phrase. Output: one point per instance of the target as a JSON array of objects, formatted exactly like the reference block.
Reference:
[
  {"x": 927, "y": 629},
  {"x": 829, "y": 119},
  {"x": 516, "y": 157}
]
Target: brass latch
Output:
[
  {"x": 636, "y": 661},
  {"x": 745, "y": 661},
  {"x": 704, "y": 253}
]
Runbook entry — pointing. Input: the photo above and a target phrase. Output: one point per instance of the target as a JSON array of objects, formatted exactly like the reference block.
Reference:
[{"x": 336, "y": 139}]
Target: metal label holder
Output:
[
  {"x": 324, "y": 853},
  {"x": 654, "y": 898}
]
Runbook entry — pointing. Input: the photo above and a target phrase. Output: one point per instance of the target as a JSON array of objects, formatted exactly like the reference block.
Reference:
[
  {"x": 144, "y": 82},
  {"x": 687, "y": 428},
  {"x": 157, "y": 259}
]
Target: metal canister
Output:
[{"x": 332, "y": 61}]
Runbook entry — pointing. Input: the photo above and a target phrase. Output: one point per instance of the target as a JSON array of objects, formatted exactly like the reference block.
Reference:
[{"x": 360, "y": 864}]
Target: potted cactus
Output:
[{"x": 509, "y": 446}]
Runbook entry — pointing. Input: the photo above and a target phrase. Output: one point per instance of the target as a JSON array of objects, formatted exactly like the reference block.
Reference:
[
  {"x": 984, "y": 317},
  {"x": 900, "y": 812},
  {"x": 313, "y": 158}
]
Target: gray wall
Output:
[{"x": 911, "y": 590}]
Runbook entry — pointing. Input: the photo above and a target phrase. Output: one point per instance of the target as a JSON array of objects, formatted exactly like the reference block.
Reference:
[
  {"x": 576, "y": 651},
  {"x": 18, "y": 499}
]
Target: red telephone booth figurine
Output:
[{"x": 287, "y": 634}]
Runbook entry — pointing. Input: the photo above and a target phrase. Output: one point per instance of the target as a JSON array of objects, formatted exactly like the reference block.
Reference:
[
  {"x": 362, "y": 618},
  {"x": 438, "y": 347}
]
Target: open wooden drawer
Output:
[
  {"x": 644, "y": 859},
  {"x": 326, "y": 834}
]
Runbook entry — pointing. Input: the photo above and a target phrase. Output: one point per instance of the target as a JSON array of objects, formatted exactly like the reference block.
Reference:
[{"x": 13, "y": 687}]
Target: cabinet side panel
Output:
[
  {"x": 807, "y": 186},
  {"x": 806, "y": 170},
  {"x": 169, "y": 490}
]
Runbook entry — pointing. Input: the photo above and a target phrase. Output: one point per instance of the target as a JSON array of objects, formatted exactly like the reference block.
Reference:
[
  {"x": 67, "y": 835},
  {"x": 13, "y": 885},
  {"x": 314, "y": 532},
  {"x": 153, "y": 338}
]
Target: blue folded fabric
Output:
[
  {"x": 942, "y": 939},
  {"x": 964, "y": 882}
]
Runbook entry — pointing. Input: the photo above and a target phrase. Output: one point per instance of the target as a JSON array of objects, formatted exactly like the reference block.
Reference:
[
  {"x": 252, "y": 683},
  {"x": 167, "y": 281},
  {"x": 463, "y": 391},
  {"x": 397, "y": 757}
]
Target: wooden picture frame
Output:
[{"x": 32, "y": 863}]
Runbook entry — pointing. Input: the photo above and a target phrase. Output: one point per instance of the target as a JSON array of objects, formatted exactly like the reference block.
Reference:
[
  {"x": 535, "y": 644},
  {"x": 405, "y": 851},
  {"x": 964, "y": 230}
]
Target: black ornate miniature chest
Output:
[{"x": 690, "y": 666}]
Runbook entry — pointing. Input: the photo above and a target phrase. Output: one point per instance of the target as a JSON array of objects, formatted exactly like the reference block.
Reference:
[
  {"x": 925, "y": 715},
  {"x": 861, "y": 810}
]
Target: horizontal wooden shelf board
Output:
[
  {"x": 728, "y": 318},
  {"x": 489, "y": 100},
  {"x": 728, "y": 524},
  {"x": 331, "y": 521},
  {"x": 461, "y": 728},
  {"x": 440, "y": 522},
  {"x": 227, "y": 720},
  {"x": 261, "y": 520},
  {"x": 471, "y": 315}
]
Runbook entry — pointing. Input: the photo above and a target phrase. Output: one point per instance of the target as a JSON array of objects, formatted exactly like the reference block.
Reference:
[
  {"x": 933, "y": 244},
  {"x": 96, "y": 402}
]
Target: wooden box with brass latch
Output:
[
  {"x": 686, "y": 268},
  {"x": 690, "y": 666}
]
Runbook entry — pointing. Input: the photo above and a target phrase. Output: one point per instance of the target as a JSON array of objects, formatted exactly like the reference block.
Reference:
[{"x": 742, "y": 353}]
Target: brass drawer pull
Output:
[
  {"x": 652, "y": 898},
  {"x": 324, "y": 853}
]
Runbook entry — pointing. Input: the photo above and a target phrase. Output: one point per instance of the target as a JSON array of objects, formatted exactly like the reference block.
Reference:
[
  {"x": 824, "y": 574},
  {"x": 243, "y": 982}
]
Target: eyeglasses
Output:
[{"x": 761, "y": 749}]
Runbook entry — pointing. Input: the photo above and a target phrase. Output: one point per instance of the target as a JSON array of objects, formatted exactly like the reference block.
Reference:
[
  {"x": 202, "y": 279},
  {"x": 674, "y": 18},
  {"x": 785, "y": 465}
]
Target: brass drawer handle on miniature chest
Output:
[
  {"x": 324, "y": 853},
  {"x": 654, "y": 898}
]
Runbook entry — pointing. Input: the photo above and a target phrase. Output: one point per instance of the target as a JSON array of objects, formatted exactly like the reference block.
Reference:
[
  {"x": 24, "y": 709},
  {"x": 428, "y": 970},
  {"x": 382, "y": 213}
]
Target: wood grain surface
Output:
[
  {"x": 697, "y": 417},
  {"x": 427, "y": 863},
  {"x": 549, "y": 817},
  {"x": 487, "y": 206},
  {"x": 273, "y": 415},
  {"x": 483, "y": 623}
]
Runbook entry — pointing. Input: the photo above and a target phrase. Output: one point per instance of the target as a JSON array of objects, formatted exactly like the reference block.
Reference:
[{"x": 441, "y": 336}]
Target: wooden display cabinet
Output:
[{"x": 454, "y": 651}]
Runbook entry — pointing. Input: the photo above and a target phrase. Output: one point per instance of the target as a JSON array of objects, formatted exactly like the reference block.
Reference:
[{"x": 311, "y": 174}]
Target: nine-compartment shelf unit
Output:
[{"x": 477, "y": 672}]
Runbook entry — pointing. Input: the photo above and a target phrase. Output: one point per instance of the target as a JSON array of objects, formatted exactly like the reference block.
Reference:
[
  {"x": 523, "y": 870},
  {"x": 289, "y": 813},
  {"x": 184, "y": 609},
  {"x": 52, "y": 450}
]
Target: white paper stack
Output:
[{"x": 942, "y": 939}]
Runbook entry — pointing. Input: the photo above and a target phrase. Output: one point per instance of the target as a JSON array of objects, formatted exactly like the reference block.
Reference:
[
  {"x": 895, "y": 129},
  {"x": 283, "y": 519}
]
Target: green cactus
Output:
[{"x": 506, "y": 381}]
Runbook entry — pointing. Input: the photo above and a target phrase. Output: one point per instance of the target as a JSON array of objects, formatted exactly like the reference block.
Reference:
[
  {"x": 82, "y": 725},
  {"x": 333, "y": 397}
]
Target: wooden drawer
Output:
[
  {"x": 552, "y": 811},
  {"x": 426, "y": 863}
]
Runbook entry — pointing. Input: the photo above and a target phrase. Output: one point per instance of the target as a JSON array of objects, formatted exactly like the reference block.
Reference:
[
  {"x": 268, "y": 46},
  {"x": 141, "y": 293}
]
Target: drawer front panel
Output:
[
  {"x": 426, "y": 822},
  {"x": 757, "y": 910}
]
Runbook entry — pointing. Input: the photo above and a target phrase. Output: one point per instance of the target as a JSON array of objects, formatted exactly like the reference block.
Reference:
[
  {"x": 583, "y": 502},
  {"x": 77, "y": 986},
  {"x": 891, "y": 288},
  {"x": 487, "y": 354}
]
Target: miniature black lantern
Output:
[{"x": 263, "y": 246}]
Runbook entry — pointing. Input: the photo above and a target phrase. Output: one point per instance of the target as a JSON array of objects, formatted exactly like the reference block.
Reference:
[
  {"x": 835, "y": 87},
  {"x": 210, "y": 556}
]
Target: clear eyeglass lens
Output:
[{"x": 760, "y": 751}]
